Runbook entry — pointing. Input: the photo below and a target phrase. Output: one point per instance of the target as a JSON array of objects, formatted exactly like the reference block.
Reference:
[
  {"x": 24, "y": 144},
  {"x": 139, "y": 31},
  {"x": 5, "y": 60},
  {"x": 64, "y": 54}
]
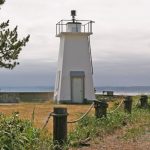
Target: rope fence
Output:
[
  {"x": 116, "y": 107},
  {"x": 83, "y": 116},
  {"x": 49, "y": 116},
  {"x": 74, "y": 121},
  {"x": 86, "y": 113},
  {"x": 60, "y": 114}
]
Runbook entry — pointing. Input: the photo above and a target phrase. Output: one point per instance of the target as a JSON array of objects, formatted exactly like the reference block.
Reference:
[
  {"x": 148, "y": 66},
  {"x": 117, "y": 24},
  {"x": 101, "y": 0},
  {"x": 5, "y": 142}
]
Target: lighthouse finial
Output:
[{"x": 73, "y": 14}]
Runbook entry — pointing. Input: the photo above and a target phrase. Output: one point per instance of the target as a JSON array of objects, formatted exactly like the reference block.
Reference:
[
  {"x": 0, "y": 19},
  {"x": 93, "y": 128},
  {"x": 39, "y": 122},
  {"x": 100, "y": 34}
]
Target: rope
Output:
[
  {"x": 116, "y": 107},
  {"x": 50, "y": 114},
  {"x": 137, "y": 103},
  {"x": 74, "y": 121}
]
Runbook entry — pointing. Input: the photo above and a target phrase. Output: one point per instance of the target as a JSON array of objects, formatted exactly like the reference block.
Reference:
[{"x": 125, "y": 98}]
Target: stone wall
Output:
[{"x": 14, "y": 97}]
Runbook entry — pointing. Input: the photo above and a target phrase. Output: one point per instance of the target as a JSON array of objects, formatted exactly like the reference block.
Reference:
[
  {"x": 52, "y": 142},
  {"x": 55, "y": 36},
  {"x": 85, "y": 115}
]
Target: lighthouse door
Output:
[{"x": 77, "y": 88}]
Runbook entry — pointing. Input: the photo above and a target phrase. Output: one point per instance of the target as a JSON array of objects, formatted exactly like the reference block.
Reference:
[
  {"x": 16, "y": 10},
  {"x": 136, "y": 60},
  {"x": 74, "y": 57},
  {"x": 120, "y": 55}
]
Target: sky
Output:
[{"x": 120, "y": 42}]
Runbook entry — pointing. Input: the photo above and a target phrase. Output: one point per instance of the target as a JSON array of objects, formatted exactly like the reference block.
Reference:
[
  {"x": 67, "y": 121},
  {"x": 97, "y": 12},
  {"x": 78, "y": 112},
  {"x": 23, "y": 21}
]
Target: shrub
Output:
[{"x": 17, "y": 134}]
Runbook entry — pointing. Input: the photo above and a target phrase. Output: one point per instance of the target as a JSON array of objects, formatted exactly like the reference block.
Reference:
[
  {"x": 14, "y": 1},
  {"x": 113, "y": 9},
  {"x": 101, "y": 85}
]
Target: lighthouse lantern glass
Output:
[{"x": 73, "y": 27}]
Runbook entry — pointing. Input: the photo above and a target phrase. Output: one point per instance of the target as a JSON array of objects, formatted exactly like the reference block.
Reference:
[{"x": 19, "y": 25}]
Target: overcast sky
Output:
[{"x": 120, "y": 43}]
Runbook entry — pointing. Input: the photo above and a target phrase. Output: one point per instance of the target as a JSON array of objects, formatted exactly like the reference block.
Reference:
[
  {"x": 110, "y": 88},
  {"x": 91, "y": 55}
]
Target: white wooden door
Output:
[{"x": 77, "y": 89}]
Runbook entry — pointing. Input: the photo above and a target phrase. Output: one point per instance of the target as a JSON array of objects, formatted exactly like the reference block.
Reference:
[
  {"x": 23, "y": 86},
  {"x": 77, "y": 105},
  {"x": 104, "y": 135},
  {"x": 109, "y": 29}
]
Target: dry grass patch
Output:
[
  {"x": 41, "y": 112},
  {"x": 43, "y": 109}
]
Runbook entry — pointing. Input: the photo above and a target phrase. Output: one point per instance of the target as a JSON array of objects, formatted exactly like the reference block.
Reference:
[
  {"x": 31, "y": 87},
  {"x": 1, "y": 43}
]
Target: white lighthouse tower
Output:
[{"x": 74, "y": 77}]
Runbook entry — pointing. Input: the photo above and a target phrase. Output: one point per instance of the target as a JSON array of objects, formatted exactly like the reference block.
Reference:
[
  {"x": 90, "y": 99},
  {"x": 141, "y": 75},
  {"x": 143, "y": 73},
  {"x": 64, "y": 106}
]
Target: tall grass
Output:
[
  {"x": 17, "y": 134},
  {"x": 91, "y": 127}
]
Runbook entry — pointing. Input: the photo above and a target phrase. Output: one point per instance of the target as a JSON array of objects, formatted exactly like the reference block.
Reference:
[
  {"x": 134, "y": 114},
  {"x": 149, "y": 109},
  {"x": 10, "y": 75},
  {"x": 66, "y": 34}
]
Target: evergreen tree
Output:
[{"x": 10, "y": 45}]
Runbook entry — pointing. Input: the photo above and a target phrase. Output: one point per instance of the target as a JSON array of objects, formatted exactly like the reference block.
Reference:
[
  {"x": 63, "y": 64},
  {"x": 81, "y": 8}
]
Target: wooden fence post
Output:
[
  {"x": 144, "y": 101},
  {"x": 60, "y": 125},
  {"x": 100, "y": 108},
  {"x": 128, "y": 104}
]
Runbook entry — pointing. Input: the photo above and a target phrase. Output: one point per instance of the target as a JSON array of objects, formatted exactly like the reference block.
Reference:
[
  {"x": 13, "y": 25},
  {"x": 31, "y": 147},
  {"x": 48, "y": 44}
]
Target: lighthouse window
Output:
[{"x": 74, "y": 29}]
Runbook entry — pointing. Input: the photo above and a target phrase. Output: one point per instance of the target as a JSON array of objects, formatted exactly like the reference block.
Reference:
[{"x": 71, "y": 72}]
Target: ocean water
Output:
[
  {"x": 124, "y": 90},
  {"x": 27, "y": 89}
]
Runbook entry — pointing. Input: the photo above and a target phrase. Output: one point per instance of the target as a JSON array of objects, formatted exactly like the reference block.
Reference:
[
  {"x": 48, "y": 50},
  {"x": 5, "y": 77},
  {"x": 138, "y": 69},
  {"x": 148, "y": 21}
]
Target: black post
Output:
[
  {"x": 144, "y": 101},
  {"x": 59, "y": 125},
  {"x": 100, "y": 108},
  {"x": 128, "y": 104}
]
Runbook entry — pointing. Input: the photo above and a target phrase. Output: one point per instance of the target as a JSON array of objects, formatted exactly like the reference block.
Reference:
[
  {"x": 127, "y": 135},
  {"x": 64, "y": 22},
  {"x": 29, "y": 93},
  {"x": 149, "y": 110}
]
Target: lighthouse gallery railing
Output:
[{"x": 86, "y": 26}]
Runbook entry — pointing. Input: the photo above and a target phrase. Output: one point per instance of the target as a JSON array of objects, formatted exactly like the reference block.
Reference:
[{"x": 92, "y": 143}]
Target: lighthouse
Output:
[{"x": 74, "y": 76}]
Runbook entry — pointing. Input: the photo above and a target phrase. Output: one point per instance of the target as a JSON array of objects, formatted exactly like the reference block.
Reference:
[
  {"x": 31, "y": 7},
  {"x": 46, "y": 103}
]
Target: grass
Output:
[
  {"x": 41, "y": 111},
  {"x": 133, "y": 125},
  {"x": 133, "y": 133},
  {"x": 93, "y": 127},
  {"x": 16, "y": 133},
  {"x": 139, "y": 124}
]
